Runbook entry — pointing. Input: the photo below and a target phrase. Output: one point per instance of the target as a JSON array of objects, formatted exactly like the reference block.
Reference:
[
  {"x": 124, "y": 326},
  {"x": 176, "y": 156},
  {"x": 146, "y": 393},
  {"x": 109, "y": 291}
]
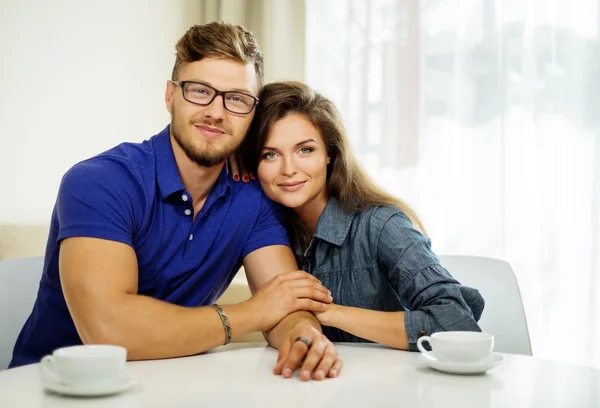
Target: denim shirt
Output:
[{"x": 376, "y": 259}]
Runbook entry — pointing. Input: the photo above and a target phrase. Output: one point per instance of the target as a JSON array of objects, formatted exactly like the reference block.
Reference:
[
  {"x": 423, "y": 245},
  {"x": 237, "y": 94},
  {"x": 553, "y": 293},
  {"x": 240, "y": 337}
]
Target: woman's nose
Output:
[{"x": 287, "y": 167}]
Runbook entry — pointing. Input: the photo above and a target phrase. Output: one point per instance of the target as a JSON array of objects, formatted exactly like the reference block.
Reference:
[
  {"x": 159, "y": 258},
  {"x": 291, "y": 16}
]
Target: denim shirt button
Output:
[{"x": 421, "y": 334}]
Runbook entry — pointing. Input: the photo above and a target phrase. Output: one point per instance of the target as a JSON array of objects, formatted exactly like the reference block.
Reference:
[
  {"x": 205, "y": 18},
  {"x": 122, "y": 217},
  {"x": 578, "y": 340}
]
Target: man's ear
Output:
[{"x": 169, "y": 91}]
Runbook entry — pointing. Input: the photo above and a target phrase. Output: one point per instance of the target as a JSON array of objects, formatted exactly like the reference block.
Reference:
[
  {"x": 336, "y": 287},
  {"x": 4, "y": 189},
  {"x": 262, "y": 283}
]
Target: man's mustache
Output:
[{"x": 210, "y": 124}]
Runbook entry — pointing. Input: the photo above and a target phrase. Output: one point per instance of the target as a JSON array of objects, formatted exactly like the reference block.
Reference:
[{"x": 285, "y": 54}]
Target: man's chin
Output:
[
  {"x": 204, "y": 158},
  {"x": 206, "y": 161},
  {"x": 204, "y": 154}
]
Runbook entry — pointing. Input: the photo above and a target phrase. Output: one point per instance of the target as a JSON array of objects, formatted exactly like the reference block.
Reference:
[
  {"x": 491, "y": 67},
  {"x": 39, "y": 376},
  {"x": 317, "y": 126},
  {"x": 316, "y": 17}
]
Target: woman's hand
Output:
[
  {"x": 307, "y": 348},
  {"x": 237, "y": 170}
]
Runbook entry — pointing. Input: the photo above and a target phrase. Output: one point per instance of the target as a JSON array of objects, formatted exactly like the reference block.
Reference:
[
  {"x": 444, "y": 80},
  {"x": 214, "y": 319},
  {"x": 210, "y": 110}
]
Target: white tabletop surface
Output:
[{"x": 240, "y": 375}]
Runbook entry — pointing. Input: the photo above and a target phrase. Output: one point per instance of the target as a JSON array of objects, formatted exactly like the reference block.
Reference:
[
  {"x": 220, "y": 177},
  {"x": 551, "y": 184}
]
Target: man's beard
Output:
[{"x": 203, "y": 156}]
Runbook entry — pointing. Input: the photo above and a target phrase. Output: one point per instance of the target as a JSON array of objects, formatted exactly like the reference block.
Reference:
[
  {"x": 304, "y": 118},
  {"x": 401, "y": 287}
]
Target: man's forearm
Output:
[
  {"x": 277, "y": 334},
  {"x": 152, "y": 329}
]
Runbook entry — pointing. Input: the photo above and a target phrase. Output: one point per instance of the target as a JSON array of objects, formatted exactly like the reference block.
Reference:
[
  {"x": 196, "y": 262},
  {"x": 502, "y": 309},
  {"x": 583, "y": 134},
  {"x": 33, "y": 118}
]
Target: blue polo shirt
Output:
[{"x": 133, "y": 194}]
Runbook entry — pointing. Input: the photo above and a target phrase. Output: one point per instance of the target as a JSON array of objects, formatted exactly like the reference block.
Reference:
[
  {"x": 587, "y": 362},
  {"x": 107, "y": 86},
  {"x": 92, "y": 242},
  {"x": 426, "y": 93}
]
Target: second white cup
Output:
[{"x": 458, "y": 346}]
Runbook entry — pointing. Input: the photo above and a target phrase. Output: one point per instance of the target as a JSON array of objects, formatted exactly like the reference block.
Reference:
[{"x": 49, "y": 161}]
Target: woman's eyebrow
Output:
[
  {"x": 306, "y": 141},
  {"x": 297, "y": 144}
]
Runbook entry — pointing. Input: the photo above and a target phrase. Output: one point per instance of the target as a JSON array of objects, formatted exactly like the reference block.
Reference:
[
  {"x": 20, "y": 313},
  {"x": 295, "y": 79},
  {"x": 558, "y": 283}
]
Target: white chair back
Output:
[
  {"x": 504, "y": 315},
  {"x": 19, "y": 282}
]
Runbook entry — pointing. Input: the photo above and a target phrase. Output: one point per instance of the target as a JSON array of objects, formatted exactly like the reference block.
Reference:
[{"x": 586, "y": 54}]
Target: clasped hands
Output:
[{"x": 304, "y": 346}]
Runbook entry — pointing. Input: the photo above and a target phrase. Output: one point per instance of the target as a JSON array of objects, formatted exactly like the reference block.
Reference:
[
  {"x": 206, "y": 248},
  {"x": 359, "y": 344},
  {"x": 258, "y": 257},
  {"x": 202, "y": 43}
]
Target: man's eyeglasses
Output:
[{"x": 202, "y": 94}]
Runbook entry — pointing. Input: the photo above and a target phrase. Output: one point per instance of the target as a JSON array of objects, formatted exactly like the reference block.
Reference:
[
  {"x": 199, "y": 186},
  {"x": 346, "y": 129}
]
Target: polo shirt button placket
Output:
[{"x": 187, "y": 212}]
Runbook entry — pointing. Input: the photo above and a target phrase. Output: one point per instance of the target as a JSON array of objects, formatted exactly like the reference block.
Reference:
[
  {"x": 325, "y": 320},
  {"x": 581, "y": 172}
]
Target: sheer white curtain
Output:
[{"x": 484, "y": 115}]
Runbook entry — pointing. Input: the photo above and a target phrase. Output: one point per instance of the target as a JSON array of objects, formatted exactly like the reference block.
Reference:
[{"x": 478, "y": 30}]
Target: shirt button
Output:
[
  {"x": 188, "y": 212},
  {"x": 184, "y": 197},
  {"x": 191, "y": 236},
  {"x": 421, "y": 334}
]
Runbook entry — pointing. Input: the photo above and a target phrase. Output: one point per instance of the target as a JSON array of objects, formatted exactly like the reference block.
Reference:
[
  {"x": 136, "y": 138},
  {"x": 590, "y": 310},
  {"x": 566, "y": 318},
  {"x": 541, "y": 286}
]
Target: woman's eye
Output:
[
  {"x": 269, "y": 155},
  {"x": 305, "y": 150}
]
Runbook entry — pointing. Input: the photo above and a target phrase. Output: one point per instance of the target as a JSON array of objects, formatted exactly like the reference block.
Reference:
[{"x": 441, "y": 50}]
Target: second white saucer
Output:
[
  {"x": 90, "y": 390},
  {"x": 463, "y": 368}
]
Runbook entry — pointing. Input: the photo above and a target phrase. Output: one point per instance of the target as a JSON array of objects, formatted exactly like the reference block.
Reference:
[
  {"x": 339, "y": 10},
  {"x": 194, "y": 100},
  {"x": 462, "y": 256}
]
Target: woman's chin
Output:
[{"x": 291, "y": 202}]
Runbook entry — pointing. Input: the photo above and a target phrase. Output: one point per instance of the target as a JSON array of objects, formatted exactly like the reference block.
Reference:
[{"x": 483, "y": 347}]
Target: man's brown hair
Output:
[{"x": 218, "y": 40}]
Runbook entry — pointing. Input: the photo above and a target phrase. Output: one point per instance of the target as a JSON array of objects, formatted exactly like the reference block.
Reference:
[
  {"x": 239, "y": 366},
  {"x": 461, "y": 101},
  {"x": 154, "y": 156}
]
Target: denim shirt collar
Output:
[
  {"x": 334, "y": 223},
  {"x": 167, "y": 172}
]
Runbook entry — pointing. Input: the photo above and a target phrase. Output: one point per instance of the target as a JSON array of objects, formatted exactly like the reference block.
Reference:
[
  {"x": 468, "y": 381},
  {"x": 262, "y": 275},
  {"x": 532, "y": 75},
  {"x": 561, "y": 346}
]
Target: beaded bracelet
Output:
[{"x": 225, "y": 322}]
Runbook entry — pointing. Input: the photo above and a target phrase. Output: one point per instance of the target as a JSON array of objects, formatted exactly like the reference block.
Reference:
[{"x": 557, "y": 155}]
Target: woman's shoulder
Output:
[
  {"x": 381, "y": 221},
  {"x": 379, "y": 216}
]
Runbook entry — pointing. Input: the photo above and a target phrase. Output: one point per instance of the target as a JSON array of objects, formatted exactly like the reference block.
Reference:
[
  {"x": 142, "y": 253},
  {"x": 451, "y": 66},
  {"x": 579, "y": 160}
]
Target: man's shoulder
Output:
[
  {"x": 249, "y": 194},
  {"x": 122, "y": 161},
  {"x": 250, "y": 202},
  {"x": 129, "y": 155},
  {"x": 126, "y": 170}
]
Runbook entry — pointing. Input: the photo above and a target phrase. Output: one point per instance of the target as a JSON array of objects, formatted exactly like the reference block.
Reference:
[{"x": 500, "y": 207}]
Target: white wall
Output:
[{"x": 76, "y": 78}]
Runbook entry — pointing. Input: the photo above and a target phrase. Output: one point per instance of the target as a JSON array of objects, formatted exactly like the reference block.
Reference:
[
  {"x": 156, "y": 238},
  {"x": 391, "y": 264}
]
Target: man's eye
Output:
[{"x": 199, "y": 91}]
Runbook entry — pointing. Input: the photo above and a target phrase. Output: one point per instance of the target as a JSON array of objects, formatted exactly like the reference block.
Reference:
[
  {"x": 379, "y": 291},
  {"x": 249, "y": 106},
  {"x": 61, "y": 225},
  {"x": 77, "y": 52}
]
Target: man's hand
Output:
[
  {"x": 318, "y": 358},
  {"x": 331, "y": 316},
  {"x": 287, "y": 293}
]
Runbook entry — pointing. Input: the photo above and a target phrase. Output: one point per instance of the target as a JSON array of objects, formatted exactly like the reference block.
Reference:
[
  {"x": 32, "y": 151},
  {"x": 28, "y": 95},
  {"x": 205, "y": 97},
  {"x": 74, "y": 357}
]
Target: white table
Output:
[{"x": 240, "y": 375}]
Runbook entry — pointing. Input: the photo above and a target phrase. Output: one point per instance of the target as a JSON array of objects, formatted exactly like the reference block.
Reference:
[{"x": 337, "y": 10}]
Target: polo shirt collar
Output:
[{"x": 167, "y": 173}]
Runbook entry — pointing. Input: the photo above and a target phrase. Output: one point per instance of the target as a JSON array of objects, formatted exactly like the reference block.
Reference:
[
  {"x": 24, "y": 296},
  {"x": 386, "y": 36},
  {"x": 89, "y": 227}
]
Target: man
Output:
[{"x": 145, "y": 237}]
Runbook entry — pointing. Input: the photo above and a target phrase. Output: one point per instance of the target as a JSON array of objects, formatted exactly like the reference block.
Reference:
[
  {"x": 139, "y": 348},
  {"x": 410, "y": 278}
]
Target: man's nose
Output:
[{"x": 215, "y": 110}]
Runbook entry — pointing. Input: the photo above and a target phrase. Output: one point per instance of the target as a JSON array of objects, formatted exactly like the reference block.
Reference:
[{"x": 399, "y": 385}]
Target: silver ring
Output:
[{"x": 303, "y": 340}]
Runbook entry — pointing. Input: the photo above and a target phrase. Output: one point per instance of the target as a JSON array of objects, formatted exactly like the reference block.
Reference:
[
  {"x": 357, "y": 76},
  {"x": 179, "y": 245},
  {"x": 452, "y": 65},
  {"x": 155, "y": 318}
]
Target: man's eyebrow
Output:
[
  {"x": 241, "y": 90},
  {"x": 297, "y": 144}
]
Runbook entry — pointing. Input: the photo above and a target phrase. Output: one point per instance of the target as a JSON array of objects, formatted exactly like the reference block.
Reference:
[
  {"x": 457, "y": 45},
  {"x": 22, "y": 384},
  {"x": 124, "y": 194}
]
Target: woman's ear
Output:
[{"x": 328, "y": 159}]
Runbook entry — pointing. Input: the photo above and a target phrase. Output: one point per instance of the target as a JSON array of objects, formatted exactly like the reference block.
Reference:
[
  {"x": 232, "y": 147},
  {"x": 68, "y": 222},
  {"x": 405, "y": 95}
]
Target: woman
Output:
[{"x": 366, "y": 246}]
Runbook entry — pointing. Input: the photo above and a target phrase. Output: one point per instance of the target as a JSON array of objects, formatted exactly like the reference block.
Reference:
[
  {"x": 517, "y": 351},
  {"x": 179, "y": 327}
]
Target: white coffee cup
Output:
[
  {"x": 458, "y": 346},
  {"x": 78, "y": 365}
]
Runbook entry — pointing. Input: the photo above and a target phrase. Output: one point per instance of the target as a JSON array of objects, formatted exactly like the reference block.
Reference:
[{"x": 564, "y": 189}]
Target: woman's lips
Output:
[{"x": 293, "y": 186}]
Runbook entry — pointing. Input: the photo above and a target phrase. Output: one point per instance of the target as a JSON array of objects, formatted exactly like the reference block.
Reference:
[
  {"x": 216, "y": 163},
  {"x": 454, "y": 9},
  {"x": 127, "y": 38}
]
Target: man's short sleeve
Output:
[
  {"x": 98, "y": 198},
  {"x": 269, "y": 228}
]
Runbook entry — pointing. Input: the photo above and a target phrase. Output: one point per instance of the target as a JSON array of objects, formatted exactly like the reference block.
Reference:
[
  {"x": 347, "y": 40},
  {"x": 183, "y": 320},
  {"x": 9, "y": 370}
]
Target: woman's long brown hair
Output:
[{"x": 346, "y": 180}]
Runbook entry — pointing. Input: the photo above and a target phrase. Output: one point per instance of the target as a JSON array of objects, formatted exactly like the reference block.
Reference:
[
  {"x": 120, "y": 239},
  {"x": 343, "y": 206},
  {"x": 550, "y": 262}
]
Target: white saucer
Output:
[
  {"x": 463, "y": 368},
  {"x": 90, "y": 390}
]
